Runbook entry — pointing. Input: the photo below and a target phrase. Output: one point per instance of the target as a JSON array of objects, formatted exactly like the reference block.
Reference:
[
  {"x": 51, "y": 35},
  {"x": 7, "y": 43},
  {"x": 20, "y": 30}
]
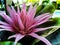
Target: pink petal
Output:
[
  {"x": 20, "y": 22},
  {"x": 14, "y": 14},
  {"x": 5, "y": 27},
  {"x": 13, "y": 10},
  {"x": 32, "y": 14},
  {"x": 41, "y": 22},
  {"x": 6, "y": 30},
  {"x": 43, "y": 18},
  {"x": 18, "y": 10},
  {"x": 6, "y": 17},
  {"x": 38, "y": 18},
  {"x": 13, "y": 36},
  {"x": 30, "y": 9},
  {"x": 3, "y": 23},
  {"x": 29, "y": 22},
  {"x": 10, "y": 11},
  {"x": 24, "y": 9},
  {"x": 41, "y": 38},
  {"x": 23, "y": 13},
  {"x": 23, "y": 17},
  {"x": 43, "y": 29},
  {"x": 17, "y": 36}
]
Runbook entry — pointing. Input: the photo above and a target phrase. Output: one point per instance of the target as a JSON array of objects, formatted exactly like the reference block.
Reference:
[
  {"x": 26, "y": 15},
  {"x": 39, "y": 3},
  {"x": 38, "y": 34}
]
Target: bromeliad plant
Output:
[{"x": 24, "y": 23}]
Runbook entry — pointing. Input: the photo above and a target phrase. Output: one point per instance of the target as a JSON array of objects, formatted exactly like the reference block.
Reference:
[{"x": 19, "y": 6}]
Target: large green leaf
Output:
[
  {"x": 39, "y": 8},
  {"x": 8, "y": 43},
  {"x": 49, "y": 8}
]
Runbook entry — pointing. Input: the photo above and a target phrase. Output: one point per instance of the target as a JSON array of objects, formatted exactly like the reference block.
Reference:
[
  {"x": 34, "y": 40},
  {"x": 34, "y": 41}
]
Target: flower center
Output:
[{"x": 25, "y": 32}]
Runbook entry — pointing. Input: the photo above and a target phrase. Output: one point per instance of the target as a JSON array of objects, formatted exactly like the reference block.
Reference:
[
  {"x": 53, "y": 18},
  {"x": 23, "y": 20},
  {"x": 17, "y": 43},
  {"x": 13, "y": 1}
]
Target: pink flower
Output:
[{"x": 24, "y": 23}]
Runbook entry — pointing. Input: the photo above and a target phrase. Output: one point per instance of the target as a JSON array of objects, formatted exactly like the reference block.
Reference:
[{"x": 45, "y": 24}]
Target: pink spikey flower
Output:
[{"x": 24, "y": 23}]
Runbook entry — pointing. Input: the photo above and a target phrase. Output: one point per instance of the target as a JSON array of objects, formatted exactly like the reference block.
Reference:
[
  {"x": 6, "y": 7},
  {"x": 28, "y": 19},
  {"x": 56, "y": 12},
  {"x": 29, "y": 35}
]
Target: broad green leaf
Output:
[
  {"x": 48, "y": 8},
  {"x": 57, "y": 19},
  {"x": 8, "y": 43},
  {"x": 39, "y": 8}
]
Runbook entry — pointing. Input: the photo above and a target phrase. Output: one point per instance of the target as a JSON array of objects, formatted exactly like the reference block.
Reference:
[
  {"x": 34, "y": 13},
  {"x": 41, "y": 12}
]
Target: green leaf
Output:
[
  {"x": 48, "y": 8},
  {"x": 57, "y": 20},
  {"x": 8, "y": 43},
  {"x": 39, "y": 8},
  {"x": 55, "y": 38}
]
